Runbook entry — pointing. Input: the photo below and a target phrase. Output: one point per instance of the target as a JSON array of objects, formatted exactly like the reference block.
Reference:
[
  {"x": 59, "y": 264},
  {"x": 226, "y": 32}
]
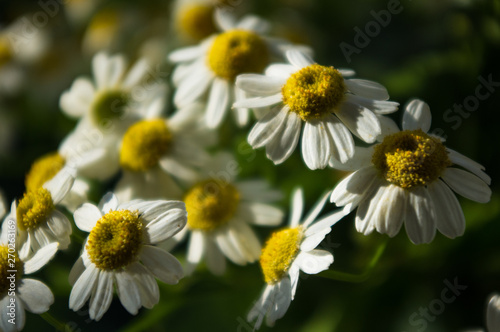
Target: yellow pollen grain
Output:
[
  {"x": 34, "y": 208},
  {"x": 236, "y": 52},
  {"x": 314, "y": 91},
  {"x": 9, "y": 262},
  {"x": 196, "y": 21},
  {"x": 43, "y": 170},
  {"x": 279, "y": 252},
  {"x": 109, "y": 105},
  {"x": 410, "y": 158},
  {"x": 211, "y": 204},
  {"x": 115, "y": 240},
  {"x": 143, "y": 145}
]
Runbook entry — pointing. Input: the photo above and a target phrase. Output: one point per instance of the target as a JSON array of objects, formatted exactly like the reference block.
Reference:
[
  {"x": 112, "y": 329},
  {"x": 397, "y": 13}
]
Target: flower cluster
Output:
[{"x": 151, "y": 150}]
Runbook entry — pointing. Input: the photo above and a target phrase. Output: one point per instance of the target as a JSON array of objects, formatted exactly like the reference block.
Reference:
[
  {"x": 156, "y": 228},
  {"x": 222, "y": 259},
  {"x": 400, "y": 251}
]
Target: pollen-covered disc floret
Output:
[
  {"x": 410, "y": 158},
  {"x": 237, "y": 51},
  {"x": 34, "y": 208},
  {"x": 211, "y": 204},
  {"x": 9, "y": 262},
  {"x": 143, "y": 144},
  {"x": 109, "y": 105},
  {"x": 314, "y": 91},
  {"x": 279, "y": 253},
  {"x": 43, "y": 169},
  {"x": 196, "y": 21},
  {"x": 115, "y": 240}
]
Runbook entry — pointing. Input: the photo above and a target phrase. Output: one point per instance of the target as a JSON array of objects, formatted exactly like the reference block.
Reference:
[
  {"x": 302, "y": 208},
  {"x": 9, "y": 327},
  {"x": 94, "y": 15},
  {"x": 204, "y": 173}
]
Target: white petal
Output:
[
  {"x": 87, "y": 216},
  {"x": 241, "y": 114},
  {"x": 262, "y": 306},
  {"x": 367, "y": 89},
  {"x": 218, "y": 102},
  {"x": 228, "y": 249},
  {"x": 146, "y": 283},
  {"x": 41, "y": 257},
  {"x": 362, "y": 158},
  {"x": 353, "y": 186},
  {"x": 101, "y": 296},
  {"x": 244, "y": 238},
  {"x": 100, "y": 68},
  {"x": 316, "y": 210},
  {"x": 167, "y": 225},
  {"x": 343, "y": 143},
  {"x": 257, "y": 102},
  {"x": 493, "y": 314},
  {"x": 467, "y": 185},
  {"x": 224, "y": 19},
  {"x": 361, "y": 121},
  {"x": 76, "y": 271},
  {"x": 281, "y": 146},
  {"x": 280, "y": 70},
  {"x": 195, "y": 250},
  {"x": 186, "y": 54},
  {"x": 298, "y": 59},
  {"x": 136, "y": 74},
  {"x": 36, "y": 296},
  {"x": 468, "y": 164},
  {"x": 420, "y": 218},
  {"x": 59, "y": 224},
  {"x": 297, "y": 206},
  {"x": 281, "y": 301},
  {"x": 267, "y": 127},
  {"x": 417, "y": 115},
  {"x": 314, "y": 261},
  {"x": 128, "y": 292},
  {"x": 76, "y": 101},
  {"x": 193, "y": 87},
  {"x": 390, "y": 211},
  {"x": 83, "y": 287},
  {"x": 253, "y": 23},
  {"x": 261, "y": 214},
  {"x": 108, "y": 202},
  {"x": 316, "y": 233},
  {"x": 316, "y": 148},
  {"x": 162, "y": 264},
  {"x": 367, "y": 214},
  {"x": 259, "y": 84},
  {"x": 216, "y": 262},
  {"x": 387, "y": 126},
  {"x": 61, "y": 184},
  {"x": 450, "y": 218},
  {"x": 377, "y": 106}
]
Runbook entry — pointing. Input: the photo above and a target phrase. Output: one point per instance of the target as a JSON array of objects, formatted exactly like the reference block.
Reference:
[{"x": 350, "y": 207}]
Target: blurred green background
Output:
[{"x": 433, "y": 50}]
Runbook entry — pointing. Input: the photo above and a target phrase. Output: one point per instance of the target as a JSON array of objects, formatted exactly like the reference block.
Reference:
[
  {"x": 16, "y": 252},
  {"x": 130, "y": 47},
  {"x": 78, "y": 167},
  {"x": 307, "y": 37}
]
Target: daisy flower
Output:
[
  {"x": 17, "y": 293},
  {"x": 330, "y": 106},
  {"x": 38, "y": 221},
  {"x": 289, "y": 251},
  {"x": 220, "y": 212},
  {"x": 46, "y": 168},
  {"x": 410, "y": 177},
  {"x": 156, "y": 149},
  {"x": 120, "y": 250},
  {"x": 211, "y": 67}
]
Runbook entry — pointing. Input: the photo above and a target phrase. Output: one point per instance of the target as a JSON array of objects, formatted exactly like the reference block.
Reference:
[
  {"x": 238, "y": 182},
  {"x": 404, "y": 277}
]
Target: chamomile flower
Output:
[
  {"x": 211, "y": 67},
  {"x": 410, "y": 177},
  {"x": 155, "y": 150},
  {"x": 17, "y": 293},
  {"x": 38, "y": 221},
  {"x": 329, "y": 106},
  {"x": 46, "y": 168},
  {"x": 289, "y": 251},
  {"x": 220, "y": 212},
  {"x": 120, "y": 251}
]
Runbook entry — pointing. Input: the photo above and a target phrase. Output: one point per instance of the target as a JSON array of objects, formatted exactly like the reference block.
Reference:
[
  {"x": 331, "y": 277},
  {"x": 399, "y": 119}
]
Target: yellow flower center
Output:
[
  {"x": 34, "y": 208},
  {"x": 237, "y": 51},
  {"x": 410, "y": 158},
  {"x": 115, "y": 240},
  {"x": 108, "y": 106},
  {"x": 279, "y": 253},
  {"x": 314, "y": 91},
  {"x": 144, "y": 143},
  {"x": 9, "y": 261},
  {"x": 5, "y": 51},
  {"x": 210, "y": 204},
  {"x": 197, "y": 21},
  {"x": 43, "y": 170}
]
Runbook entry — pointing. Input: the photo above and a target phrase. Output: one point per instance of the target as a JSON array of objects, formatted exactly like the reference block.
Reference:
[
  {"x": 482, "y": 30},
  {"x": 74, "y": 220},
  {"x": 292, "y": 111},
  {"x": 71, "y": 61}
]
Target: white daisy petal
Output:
[
  {"x": 493, "y": 314},
  {"x": 367, "y": 213},
  {"x": 294, "y": 278},
  {"x": 299, "y": 59},
  {"x": 146, "y": 283},
  {"x": 468, "y": 164},
  {"x": 86, "y": 217},
  {"x": 316, "y": 147},
  {"x": 216, "y": 262},
  {"x": 41, "y": 257},
  {"x": 245, "y": 237},
  {"x": 261, "y": 307},
  {"x": 281, "y": 301},
  {"x": 361, "y": 121},
  {"x": 417, "y": 115},
  {"x": 450, "y": 219},
  {"x": 83, "y": 287},
  {"x": 314, "y": 261},
  {"x": 59, "y": 224},
  {"x": 341, "y": 138},
  {"x": 136, "y": 74},
  {"x": 101, "y": 296},
  {"x": 228, "y": 249},
  {"x": 283, "y": 144},
  {"x": 376, "y": 106},
  {"x": 241, "y": 114},
  {"x": 259, "y": 84},
  {"x": 420, "y": 218},
  {"x": 353, "y": 186},
  {"x": 193, "y": 87},
  {"x": 108, "y": 202},
  {"x": 367, "y": 89},
  {"x": 267, "y": 127},
  {"x": 166, "y": 226},
  {"x": 253, "y": 23},
  {"x": 324, "y": 224},
  {"x": 60, "y": 185},
  {"x": 391, "y": 211},
  {"x": 224, "y": 19},
  {"x": 162, "y": 264},
  {"x": 76, "y": 271},
  {"x": 100, "y": 69},
  {"x": 195, "y": 248},
  {"x": 387, "y": 127},
  {"x": 128, "y": 292},
  {"x": 261, "y": 214},
  {"x": 468, "y": 185},
  {"x": 280, "y": 70},
  {"x": 258, "y": 102},
  {"x": 316, "y": 210},
  {"x": 218, "y": 102},
  {"x": 362, "y": 158},
  {"x": 76, "y": 101},
  {"x": 36, "y": 296},
  {"x": 297, "y": 205},
  {"x": 185, "y": 54}
]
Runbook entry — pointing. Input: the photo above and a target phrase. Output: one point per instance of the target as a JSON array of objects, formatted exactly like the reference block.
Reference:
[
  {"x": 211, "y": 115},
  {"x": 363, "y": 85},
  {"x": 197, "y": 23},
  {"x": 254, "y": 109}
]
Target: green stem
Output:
[
  {"x": 53, "y": 321},
  {"x": 356, "y": 278}
]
